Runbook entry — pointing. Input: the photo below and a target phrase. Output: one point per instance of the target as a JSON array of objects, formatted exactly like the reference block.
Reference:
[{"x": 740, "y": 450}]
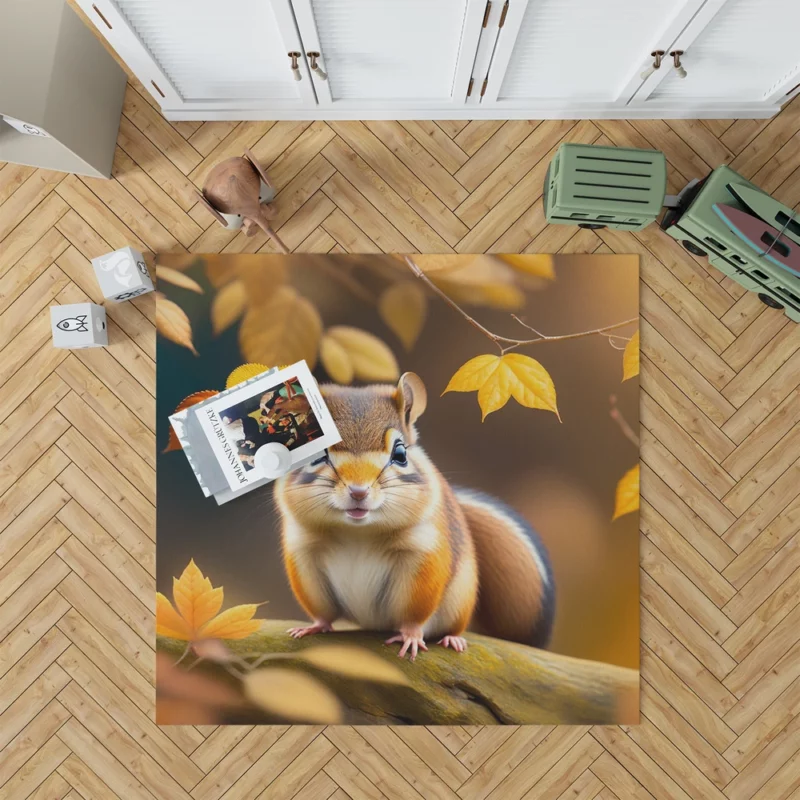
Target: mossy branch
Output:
[{"x": 492, "y": 682}]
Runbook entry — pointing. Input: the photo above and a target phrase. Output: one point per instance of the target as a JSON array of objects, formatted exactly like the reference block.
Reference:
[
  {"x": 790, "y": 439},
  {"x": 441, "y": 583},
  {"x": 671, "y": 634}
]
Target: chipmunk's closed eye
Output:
[
  {"x": 399, "y": 454},
  {"x": 323, "y": 459}
]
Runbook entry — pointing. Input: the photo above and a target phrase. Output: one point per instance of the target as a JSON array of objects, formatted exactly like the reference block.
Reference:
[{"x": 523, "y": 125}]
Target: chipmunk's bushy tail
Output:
[{"x": 516, "y": 593}]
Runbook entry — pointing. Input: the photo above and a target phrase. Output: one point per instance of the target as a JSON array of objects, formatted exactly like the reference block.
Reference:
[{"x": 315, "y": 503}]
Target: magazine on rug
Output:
[
  {"x": 452, "y": 535},
  {"x": 279, "y": 407}
]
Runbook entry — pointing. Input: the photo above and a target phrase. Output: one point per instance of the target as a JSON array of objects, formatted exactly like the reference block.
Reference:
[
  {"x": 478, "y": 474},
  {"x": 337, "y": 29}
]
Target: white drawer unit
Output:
[{"x": 429, "y": 59}]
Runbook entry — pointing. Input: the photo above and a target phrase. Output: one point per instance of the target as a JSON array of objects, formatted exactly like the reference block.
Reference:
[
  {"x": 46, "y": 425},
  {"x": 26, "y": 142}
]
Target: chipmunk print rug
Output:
[{"x": 465, "y": 553}]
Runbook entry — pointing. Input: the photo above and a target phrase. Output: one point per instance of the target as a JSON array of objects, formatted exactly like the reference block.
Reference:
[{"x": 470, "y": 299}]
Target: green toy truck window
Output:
[
  {"x": 775, "y": 244},
  {"x": 791, "y": 224},
  {"x": 789, "y": 295}
]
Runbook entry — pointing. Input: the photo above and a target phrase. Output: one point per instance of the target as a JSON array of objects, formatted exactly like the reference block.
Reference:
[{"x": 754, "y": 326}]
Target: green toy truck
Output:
[
  {"x": 694, "y": 223},
  {"x": 745, "y": 234}
]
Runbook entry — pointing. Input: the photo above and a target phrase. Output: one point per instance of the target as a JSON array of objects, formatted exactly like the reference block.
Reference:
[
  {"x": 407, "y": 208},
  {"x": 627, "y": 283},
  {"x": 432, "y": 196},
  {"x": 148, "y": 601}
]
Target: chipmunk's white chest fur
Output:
[
  {"x": 362, "y": 579},
  {"x": 371, "y": 583}
]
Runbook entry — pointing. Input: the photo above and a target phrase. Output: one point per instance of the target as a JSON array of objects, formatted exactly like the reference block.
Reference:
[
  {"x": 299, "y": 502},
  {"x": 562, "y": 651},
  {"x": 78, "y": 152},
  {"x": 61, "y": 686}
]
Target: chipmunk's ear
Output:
[{"x": 411, "y": 398}]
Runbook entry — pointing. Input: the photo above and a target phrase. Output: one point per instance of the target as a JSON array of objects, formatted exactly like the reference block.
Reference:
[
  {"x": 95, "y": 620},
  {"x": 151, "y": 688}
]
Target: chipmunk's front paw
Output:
[
  {"x": 458, "y": 643},
  {"x": 319, "y": 626},
  {"x": 412, "y": 639}
]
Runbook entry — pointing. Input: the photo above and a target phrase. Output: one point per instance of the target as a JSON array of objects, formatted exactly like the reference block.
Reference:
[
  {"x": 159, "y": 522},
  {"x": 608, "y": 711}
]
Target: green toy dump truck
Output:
[{"x": 745, "y": 234}]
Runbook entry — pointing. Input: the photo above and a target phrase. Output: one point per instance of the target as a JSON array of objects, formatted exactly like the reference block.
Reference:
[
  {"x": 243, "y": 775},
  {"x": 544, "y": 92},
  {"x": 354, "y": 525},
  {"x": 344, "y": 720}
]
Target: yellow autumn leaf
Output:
[
  {"x": 178, "y": 261},
  {"x": 630, "y": 358},
  {"x": 235, "y": 623},
  {"x": 281, "y": 330},
  {"x": 172, "y": 322},
  {"x": 197, "y": 615},
  {"x": 627, "y": 497},
  {"x": 482, "y": 281},
  {"x": 176, "y": 278},
  {"x": 262, "y": 274},
  {"x": 336, "y": 361},
  {"x": 244, "y": 373},
  {"x": 498, "y": 378},
  {"x": 292, "y": 695},
  {"x": 227, "y": 306},
  {"x": 439, "y": 262},
  {"x": 354, "y": 662},
  {"x": 403, "y": 307},
  {"x": 195, "y": 598},
  {"x": 539, "y": 264},
  {"x": 372, "y": 360},
  {"x": 168, "y": 621},
  {"x": 472, "y": 375}
]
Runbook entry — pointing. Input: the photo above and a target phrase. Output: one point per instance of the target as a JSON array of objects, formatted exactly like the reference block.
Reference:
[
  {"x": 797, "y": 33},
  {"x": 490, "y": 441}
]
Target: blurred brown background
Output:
[{"x": 560, "y": 476}]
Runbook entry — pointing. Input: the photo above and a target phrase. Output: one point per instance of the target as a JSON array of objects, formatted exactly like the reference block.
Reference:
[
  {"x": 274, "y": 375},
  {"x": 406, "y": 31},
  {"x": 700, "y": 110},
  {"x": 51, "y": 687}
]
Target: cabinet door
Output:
[
  {"x": 553, "y": 54},
  {"x": 391, "y": 54},
  {"x": 734, "y": 51},
  {"x": 208, "y": 54}
]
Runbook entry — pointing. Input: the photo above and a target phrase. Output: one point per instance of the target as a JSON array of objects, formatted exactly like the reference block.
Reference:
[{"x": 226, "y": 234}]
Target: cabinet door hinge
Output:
[
  {"x": 487, "y": 12},
  {"x": 469, "y": 88},
  {"x": 503, "y": 15},
  {"x": 485, "y": 83}
]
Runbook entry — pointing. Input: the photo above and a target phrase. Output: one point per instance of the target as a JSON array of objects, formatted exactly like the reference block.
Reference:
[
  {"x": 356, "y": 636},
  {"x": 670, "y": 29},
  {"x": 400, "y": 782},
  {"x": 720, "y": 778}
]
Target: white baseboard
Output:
[{"x": 649, "y": 111}]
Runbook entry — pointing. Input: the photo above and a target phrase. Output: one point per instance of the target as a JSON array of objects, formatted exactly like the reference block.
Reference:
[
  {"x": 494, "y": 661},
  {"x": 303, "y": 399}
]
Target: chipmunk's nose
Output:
[{"x": 359, "y": 493}]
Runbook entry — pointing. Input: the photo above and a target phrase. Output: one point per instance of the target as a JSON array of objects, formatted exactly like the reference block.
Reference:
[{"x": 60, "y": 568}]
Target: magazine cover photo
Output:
[{"x": 454, "y": 539}]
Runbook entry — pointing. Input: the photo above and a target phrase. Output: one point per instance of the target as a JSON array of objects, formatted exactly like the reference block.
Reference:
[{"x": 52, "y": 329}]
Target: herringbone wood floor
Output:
[{"x": 721, "y": 469}]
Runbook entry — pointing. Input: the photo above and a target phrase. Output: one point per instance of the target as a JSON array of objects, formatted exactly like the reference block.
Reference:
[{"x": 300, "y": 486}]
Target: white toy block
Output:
[
  {"x": 79, "y": 325},
  {"x": 122, "y": 275}
]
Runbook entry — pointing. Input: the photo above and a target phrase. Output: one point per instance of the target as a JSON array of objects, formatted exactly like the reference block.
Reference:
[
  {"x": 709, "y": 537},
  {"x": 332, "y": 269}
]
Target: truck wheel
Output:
[
  {"x": 767, "y": 300},
  {"x": 592, "y": 226},
  {"x": 693, "y": 248}
]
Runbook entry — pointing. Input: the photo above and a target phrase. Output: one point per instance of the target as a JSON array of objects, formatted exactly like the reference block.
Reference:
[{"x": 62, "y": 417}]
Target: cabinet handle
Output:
[
  {"x": 294, "y": 55},
  {"x": 657, "y": 56},
  {"x": 676, "y": 60},
  {"x": 321, "y": 74},
  {"x": 102, "y": 17}
]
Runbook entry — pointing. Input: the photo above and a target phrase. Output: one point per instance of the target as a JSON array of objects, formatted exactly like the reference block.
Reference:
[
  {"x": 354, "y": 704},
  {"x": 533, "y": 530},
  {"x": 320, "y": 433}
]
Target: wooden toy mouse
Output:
[{"x": 233, "y": 187}]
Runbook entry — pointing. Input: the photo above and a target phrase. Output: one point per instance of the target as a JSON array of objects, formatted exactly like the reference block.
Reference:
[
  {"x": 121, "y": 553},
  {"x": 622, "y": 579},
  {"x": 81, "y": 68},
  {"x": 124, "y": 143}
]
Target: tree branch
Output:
[
  {"x": 505, "y": 343},
  {"x": 493, "y": 681},
  {"x": 626, "y": 429}
]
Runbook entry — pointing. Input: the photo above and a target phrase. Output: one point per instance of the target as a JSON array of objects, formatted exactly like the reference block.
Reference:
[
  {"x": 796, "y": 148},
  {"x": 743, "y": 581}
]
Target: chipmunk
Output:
[{"x": 372, "y": 532}]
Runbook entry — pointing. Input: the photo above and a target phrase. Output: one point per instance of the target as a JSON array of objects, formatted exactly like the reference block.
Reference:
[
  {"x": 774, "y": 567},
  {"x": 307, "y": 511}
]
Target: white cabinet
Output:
[
  {"x": 739, "y": 50},
  {"x": 562, "y": 52},
  {"x": 361, "y": 59},
  {"x": 207, "y": 55},
  {"x": 402, "y": 53}
]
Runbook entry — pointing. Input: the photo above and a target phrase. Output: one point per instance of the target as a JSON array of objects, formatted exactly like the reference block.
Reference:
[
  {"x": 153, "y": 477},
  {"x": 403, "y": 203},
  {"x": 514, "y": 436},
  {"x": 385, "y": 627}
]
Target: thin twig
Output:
[
  {"x": 602, "y": 331},
  {"x": 452, "y": 303},
  {"x": 626, "y": 429},
  {"x": 505, "y": 343}
]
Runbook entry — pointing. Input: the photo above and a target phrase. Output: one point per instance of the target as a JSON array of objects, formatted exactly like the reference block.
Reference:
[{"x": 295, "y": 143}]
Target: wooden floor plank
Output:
[{"x": 720, "y": 552}]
